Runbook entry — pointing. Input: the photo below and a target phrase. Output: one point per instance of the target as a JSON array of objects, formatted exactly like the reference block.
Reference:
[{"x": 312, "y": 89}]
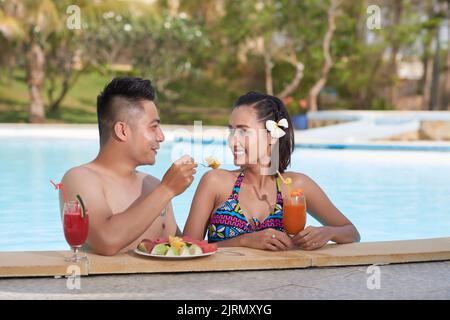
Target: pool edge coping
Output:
[{"x": 51, "y": 263}]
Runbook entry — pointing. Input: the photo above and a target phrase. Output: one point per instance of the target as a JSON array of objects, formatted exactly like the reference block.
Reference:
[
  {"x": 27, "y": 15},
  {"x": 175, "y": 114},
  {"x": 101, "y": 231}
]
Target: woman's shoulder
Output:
[
  {"x": 220, "y": 175},
  {"x": 299, "y": 180},
  {"x": 218, "y": 182}
]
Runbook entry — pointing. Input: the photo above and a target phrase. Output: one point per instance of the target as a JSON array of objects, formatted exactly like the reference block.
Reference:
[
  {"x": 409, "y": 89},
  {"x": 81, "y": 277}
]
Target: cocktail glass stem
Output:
[{"x": 76, "y": 257}]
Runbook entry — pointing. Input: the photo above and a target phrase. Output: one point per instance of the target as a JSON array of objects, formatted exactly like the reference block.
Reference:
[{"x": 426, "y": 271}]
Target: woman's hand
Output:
[
  {"x": 267, "y": 239},
  {"x": 313, "y": 237}
]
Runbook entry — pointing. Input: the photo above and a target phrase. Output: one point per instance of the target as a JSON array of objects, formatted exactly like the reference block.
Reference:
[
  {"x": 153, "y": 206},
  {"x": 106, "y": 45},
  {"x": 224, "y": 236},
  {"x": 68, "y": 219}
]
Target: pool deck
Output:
[
  {"x": 411, "y": 269},
  {"x": 426, "y": 280}
]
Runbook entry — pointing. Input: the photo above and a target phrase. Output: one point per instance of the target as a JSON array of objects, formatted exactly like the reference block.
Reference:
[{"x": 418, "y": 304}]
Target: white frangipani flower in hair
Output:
[{"x": 275, "y": 128}]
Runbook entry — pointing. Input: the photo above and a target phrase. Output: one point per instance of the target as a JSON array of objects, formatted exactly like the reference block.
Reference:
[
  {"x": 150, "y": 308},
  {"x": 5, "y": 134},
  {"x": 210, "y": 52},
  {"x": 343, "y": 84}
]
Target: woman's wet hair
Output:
[{"x": 269, "y": 107}]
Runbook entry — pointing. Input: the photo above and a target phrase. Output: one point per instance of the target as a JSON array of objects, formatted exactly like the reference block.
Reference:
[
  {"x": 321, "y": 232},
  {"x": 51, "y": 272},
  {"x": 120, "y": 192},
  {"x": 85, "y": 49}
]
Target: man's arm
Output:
[{"x": 109, "y": 233}]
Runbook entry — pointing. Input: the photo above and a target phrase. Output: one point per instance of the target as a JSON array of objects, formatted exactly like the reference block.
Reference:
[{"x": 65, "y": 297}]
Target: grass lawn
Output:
[{"x": 79, "y": 105}]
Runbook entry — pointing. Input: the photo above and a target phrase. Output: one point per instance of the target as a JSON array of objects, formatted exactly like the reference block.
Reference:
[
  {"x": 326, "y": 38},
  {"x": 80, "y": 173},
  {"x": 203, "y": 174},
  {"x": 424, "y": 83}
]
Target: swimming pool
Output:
[{"x": 389, "y": 195}]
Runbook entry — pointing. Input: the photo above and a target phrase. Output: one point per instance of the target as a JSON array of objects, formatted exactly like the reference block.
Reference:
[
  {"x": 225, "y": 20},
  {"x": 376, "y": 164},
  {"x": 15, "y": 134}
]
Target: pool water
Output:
[{"x": 388, "y": 195}]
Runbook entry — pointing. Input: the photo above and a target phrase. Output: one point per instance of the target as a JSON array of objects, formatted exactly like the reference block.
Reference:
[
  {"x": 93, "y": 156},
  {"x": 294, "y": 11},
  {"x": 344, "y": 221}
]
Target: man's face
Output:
[{"x": 146, "y": 135}]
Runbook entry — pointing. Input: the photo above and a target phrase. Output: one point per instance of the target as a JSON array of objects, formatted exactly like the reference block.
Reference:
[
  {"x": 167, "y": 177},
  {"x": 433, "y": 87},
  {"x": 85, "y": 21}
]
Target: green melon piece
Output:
[
  {"x": 195, "y": 250},
  {"x": 172, "y": 251},
  {"x": 160, "y": 249}
]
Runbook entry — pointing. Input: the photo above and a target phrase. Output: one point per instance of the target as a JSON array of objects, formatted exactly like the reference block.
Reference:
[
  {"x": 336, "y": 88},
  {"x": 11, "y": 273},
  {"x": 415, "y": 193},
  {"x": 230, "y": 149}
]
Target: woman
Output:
[{"x": 245, "y": 207}]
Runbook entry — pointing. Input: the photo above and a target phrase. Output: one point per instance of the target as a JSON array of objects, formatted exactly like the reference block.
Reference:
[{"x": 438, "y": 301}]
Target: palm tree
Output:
[
  {"x": 39, "y": 27},
  {"x": 30, "y": 23}
]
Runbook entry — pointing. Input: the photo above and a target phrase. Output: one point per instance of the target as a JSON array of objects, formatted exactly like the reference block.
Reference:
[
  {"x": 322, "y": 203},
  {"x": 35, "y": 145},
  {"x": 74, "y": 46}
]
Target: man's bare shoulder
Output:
[
  {"x": 83, "y": 174},
  {"x": 149, "y": 180}
]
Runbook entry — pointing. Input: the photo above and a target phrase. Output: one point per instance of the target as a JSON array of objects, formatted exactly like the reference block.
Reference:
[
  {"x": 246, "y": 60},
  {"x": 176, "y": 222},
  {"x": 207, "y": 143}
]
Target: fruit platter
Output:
[{"x": 175, "y": 248}]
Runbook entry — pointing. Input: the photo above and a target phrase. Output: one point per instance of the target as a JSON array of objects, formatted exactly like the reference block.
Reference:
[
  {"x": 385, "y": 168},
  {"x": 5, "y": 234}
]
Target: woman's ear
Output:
[
  {"x": 272, "y": 140},
  {"x": 272, "y": 145},
  {"x": 120, "y": 131}
]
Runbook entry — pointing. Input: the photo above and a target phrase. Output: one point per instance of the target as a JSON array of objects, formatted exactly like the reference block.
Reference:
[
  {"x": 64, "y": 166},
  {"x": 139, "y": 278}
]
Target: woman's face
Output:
[{"x": 248, "y": 139}]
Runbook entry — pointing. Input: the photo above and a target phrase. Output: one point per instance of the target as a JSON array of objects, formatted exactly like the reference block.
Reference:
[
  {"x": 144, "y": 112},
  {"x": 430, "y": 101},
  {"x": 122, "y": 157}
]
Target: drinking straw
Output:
[
  {"x": 60, "y": 186},
  {"x": 287, "y": 182},
  {"x": 281, "y": 177}
]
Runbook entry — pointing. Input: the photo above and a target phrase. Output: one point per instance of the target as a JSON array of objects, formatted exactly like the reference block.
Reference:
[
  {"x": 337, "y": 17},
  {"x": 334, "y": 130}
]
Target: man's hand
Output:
[{"x": 180, "y": 175}]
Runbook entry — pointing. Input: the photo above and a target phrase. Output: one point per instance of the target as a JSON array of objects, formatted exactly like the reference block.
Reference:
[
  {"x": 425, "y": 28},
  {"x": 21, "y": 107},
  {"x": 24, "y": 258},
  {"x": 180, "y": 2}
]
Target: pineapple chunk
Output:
[{"x": 212, "y": 162}]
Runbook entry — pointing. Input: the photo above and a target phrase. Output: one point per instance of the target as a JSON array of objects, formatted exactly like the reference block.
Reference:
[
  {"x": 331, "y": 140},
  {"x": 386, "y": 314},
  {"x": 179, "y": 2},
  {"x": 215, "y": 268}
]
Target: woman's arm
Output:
[
  {"x": 336, "y": 228},
  {"x": 202, "y": 205},
  {"x": 205, "y": 201}
]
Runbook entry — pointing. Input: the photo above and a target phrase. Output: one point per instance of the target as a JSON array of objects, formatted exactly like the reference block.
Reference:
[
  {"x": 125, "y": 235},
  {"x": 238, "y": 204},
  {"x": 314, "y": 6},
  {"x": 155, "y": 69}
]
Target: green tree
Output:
[{"x": 31, "y": 23}]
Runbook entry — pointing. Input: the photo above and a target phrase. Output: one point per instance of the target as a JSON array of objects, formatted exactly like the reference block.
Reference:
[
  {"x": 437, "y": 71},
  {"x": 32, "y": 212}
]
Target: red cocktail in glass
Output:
[{"x": 76, "y": 227}]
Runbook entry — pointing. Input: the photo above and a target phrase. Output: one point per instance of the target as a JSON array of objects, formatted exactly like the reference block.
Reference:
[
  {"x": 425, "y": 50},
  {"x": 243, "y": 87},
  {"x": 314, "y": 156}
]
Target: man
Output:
[{"x": 125, "y": 205}]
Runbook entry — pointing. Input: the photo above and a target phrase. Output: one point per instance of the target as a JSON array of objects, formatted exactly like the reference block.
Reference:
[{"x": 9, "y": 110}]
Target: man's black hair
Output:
[{"x": 119, "y": 101}]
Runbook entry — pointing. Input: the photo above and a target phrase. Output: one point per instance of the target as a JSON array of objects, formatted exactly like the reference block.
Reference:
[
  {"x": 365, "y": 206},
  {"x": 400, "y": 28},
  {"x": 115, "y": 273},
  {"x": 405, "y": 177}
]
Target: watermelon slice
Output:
[
  {"x": 209, "y": 247},
  {"x": 161, "y": 240}
]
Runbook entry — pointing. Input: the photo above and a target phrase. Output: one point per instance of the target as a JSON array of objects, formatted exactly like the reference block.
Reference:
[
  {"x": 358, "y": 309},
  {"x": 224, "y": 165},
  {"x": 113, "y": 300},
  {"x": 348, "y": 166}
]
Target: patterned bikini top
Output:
[{"x": 228, "y": 221}]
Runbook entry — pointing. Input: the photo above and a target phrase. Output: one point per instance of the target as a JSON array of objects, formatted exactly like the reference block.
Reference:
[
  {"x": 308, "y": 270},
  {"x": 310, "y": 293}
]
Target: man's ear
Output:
[{"x": 120, "y": 130}]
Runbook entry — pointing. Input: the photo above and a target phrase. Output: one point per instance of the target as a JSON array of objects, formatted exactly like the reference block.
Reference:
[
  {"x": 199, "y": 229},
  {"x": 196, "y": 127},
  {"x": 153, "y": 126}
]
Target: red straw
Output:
[{"x": 60, "y": 186}]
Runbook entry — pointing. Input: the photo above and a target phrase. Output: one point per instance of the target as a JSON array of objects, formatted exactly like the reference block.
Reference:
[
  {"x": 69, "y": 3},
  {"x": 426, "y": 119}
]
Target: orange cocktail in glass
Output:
[{"x": 294, "y": 213}]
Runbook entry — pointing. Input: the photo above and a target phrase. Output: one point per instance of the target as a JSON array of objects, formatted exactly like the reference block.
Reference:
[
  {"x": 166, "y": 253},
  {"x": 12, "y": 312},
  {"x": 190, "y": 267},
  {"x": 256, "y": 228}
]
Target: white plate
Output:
[{"x": 172, "y": 257}]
